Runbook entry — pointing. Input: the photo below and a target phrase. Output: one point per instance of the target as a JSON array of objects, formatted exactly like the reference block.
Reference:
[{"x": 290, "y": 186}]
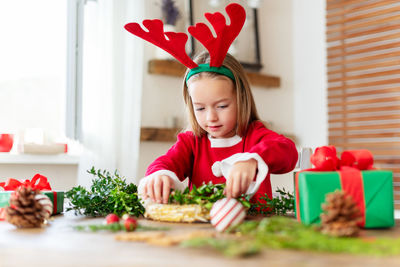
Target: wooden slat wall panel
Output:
[
  {"x": 363, "y": 60},
  {"x": 341, "y": 36},
  {"x": 345, "y": 10},
  {"x": 366, "y": 67},
  {"x": 369, "y": 109},
  {"x": 351, "y": 62}
]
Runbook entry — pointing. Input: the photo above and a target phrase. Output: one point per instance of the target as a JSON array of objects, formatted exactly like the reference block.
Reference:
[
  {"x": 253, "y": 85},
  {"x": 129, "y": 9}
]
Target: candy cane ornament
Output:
[{"x": 227, "y": 212}]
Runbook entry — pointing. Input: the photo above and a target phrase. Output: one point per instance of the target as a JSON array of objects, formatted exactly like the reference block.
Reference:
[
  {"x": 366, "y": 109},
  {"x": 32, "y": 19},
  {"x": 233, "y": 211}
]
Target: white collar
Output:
[{"x": 224, "y": 142}]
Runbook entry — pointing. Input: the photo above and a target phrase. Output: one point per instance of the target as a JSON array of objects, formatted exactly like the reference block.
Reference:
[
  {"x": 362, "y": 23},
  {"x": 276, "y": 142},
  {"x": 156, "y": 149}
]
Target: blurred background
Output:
[{"x": 77, "y": 90}]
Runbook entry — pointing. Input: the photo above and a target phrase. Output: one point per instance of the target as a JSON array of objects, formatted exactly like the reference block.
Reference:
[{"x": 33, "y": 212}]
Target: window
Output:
[
  {"x": 364, "y": 80},
  {"x": 33, "y": 54}
]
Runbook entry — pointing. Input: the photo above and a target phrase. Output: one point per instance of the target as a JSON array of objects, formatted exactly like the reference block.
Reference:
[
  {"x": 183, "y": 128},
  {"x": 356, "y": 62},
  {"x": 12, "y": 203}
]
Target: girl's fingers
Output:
[
  {"x": 166, "y": 188},
  {"x": 150, "y": 189},
  {"x": 228, "y": 188},
  {"x": 236, "y": 186},
  {"x": 244, "y": 185},
  {"x": 144, "y": 193},
  {"x": 157, "y": 189}
]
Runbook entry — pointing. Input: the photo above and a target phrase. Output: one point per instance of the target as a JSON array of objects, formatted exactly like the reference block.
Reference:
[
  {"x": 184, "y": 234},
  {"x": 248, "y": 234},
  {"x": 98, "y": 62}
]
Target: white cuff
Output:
[
  {"x": 227, "y": 164},
  {"x": 178, "y": 185}
]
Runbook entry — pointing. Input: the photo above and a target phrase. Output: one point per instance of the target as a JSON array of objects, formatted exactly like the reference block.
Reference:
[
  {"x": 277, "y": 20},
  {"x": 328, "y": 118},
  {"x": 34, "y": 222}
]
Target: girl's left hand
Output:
[{"x": 240, "y": 177}]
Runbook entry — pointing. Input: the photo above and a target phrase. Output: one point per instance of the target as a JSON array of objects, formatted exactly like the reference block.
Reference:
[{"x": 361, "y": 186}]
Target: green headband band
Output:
[{"x": 206, "y": 67}]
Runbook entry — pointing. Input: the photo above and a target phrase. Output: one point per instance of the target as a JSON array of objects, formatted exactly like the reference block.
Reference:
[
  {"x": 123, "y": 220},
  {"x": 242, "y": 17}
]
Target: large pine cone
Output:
[
  {"x": 25, "y": 210},
  {"x": 340, "y": 216}
]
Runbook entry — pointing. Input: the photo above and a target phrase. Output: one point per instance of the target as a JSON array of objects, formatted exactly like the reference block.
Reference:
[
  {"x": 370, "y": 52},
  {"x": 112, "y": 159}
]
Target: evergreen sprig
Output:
[
  {"x": 107, "y": 194},
  {"x": 279, "y": 205},
  {"x": 205, "y": 195},
  {"x": 116, "y": 227},
  {"x": 279, "y": 232}
]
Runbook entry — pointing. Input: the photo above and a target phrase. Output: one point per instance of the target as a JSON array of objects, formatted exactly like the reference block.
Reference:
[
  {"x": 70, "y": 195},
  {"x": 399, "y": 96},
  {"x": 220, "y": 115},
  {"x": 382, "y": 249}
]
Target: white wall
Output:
[
  {"x": 309, "y": 64},
  {"x": 276, "y": 29}
]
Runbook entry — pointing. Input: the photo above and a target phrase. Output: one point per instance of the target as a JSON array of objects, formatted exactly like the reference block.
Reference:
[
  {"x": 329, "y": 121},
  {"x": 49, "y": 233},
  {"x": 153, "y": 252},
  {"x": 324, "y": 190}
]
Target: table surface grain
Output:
[{"x": 58, "y": 244}]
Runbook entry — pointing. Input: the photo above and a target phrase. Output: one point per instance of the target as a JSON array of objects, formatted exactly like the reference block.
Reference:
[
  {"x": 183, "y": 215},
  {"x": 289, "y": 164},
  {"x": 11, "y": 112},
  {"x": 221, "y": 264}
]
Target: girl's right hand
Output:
[{"x": 158, "y": 188}]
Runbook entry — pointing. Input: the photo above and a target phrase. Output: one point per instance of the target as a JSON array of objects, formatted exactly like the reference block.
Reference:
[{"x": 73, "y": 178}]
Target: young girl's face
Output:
[{"x": 214, "y": 104}]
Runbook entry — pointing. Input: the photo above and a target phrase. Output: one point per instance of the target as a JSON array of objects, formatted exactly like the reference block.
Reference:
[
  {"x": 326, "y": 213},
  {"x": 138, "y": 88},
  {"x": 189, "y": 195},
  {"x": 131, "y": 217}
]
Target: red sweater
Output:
[{"x": 193, "y": 157}]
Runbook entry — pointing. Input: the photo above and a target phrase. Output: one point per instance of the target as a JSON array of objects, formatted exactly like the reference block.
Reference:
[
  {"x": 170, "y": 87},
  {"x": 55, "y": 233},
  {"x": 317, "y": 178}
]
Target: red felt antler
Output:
[
  {"x": 218, "y": 47},
  {"x": 175, "y": 45}
]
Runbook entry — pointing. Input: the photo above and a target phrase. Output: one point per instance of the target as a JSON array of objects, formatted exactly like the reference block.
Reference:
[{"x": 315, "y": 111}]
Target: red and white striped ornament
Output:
[
  {"x": 46, "y": 204},
  {"x": 225, "y": 213}
]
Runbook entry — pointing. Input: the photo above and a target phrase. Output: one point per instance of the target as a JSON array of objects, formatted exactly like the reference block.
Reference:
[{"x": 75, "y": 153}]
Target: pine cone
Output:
[
  {"x": 25, "y": 210},
  {"x": 340, "y": 216}
]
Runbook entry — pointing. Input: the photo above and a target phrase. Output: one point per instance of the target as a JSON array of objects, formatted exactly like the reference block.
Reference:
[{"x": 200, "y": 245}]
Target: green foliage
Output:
[
  {"x": 281, "y": 205},
  {"x": 285, "y": 233},
  {"x": 116, "y": 227},
  {"x": 205, "y": 195},
  {"x": 107, "y": 194}
]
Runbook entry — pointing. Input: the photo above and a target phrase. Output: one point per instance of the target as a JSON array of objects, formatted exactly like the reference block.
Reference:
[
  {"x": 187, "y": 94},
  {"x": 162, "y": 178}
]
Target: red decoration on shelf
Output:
[{"x": 6, "y": 142}]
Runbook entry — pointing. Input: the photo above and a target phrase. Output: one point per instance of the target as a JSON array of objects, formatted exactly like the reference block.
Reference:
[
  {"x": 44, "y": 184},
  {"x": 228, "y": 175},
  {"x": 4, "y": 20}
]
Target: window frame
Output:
[{"x": 73, "y": 113}]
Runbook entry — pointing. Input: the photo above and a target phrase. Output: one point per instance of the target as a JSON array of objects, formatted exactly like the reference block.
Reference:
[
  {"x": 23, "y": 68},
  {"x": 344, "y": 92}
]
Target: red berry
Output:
[
  {"x": 112, "y": 218},
  {"x": 130, "y": 224}
]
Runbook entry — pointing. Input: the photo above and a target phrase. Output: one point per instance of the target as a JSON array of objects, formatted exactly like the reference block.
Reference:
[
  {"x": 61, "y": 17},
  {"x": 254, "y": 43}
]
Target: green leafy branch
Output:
[
  {"x": 205, "y": 195},
  {"x": 280, "y": 205},
  {"x": 107, "y": 194}
]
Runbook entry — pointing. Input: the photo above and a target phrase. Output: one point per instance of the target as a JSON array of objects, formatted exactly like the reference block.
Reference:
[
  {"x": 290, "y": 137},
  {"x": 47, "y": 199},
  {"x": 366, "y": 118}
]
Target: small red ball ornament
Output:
[
  {"x": 130, "y": 224},
  {"x": 112, "y": 218}
]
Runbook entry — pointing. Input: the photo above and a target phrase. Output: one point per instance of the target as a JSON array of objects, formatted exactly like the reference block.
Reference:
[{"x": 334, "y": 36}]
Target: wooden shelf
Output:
[
  {"x": 174, "y": 68},
  {"x": 159, "y": 134}
]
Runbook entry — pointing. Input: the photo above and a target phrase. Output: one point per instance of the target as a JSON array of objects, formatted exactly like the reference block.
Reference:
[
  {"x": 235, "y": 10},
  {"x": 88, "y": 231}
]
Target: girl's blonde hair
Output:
[{"x": 246, "y": 108}]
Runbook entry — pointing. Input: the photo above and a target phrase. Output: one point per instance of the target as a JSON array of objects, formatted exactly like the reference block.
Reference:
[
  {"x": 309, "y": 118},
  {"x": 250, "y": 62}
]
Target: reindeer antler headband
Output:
[{"x": 217, "y": 46}]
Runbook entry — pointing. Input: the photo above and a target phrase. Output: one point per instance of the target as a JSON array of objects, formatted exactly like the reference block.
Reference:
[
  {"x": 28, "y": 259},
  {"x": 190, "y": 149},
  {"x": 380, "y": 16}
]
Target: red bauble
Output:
[
  {"x": 112, "y": 218},
  {"x": 130, "y": 224}
]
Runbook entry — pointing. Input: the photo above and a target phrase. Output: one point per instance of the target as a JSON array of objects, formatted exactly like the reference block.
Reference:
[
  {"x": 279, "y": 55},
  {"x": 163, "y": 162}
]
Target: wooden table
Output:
[{"x": 59, "y": 245}]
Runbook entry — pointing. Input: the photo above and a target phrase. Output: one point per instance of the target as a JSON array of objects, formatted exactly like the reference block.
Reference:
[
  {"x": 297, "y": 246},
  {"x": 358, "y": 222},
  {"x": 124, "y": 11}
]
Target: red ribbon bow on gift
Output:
[
  {"x": 325, "y": 159},
  {"x": 349, "y": 166},
  {"x": 38, "y": 182}
]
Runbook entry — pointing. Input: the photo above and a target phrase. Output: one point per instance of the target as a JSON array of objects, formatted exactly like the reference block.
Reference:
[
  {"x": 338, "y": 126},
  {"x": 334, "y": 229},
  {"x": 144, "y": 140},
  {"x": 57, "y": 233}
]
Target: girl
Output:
[{"x": 226, "y": 142}]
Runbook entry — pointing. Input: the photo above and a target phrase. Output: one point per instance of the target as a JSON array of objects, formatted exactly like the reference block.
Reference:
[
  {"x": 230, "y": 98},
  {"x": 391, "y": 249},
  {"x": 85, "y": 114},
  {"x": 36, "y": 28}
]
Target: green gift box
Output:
[
  {"x": 375, "y": 189},
  {"x": 56, "y": 197}
]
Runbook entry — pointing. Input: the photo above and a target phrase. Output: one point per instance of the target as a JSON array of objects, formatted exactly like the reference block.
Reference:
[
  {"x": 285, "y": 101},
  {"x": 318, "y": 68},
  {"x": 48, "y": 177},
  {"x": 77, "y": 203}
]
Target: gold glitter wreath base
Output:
[{"x": 177, "y": 213}]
